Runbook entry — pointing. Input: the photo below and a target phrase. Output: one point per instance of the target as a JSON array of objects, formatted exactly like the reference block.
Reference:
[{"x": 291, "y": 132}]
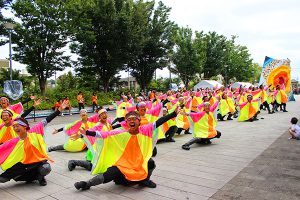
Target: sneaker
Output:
[
  {"x": 50, "y": 149},
  {"x": 4, "y": 180},
  {"x": 185, "y": 147},
  {"x": 148, "y": 183},
  {"x": 285, "y": 111},
  {"x": 171, "y": 140},
  {"x": 82, "y": 185},
  {"x": 207, "y": 142},
  {"x": 62, "y": 114},
  {"x": 290, "y": 138},
  {"x": 71, "y": 114},
  {"x": 42, "y": 182}
]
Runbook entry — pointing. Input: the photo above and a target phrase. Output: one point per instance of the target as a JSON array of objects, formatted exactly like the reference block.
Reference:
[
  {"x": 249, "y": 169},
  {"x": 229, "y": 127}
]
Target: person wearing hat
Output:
[
  {"x": 103, "y": 125},
  {"x": 125, "y": 157},
  {"x": 24, "y": 158},
  {"x": 249, "y": 109},
  {"x": 73, "y": 128},
  {"x": 121, "y": 109},
  {"x": 15, "y": 109},
  {"x": 204, "y": 128},
  {"x": 6, "y": 129},
  {"x": 168, "y": 129}
]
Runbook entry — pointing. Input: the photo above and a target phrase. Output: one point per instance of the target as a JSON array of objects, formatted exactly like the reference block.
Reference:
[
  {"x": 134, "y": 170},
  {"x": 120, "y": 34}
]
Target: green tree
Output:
[
  {"x": 151, "y": 43},
  {"x": 100, "y": 38},
  {"x": 189, "y": 54},
  {"x": 4, "y": 4},
  {"x": 255, "y": 71},
  {"x": 5, "y": 75},
  {"x": 40, "y": 37},
  {"x": 68, "y": 81},
  {"x": 215, "y": 54},
  {"x": 237, "y": 62}
]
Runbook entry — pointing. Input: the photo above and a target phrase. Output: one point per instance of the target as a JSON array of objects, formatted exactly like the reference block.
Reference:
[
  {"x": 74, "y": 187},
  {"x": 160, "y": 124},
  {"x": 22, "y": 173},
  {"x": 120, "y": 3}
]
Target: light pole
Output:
[{"x": 10, "y": 28}]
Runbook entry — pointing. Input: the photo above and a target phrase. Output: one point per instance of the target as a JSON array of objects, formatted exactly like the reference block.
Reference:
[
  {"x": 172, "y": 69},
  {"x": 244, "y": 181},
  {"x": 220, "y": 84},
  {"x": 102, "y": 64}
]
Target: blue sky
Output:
[{"x": 267, "y": 27}]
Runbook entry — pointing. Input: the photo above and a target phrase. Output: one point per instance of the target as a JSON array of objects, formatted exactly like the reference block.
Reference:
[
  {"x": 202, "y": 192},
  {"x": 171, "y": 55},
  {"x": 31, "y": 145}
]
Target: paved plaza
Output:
[{"x": 252, "y": 160}]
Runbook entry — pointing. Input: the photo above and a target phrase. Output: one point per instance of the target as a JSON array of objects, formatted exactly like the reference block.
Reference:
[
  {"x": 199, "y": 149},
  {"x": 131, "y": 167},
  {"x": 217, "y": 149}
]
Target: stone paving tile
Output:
[{"x": 22, "y": 191}]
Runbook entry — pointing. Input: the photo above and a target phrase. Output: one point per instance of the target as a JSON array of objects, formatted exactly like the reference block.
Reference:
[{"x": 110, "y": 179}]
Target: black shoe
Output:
[
  {"x": 50, "y": 149},
  {"x": 229, "y": 118},
  {"x": 207, "y": 142},
  {"x": 186, "y": 132},
  {"x": 82, "y": 185},
  {"x": 285, "y": 111},
  {"x": 148, "y": 183},
  {"x": 169, "y": 140},
  {"x": 270, "y": 112},
  {"x": 71, "y": 165},
  {"x": 42, "y": 182},
  {"x": 185, "y": 147}
]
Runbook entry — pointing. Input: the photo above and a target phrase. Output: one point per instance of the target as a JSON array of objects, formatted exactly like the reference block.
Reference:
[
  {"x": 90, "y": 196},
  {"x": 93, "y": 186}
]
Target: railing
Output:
[{"x": 44, "y": 113}]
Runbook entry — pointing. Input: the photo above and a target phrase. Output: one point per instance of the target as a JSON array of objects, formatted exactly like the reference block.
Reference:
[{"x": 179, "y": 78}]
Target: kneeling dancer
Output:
[
  {"x": 24, "y": 158},
  {"x": 204, "y": 126},
  {"x": 125, "y": 157}
]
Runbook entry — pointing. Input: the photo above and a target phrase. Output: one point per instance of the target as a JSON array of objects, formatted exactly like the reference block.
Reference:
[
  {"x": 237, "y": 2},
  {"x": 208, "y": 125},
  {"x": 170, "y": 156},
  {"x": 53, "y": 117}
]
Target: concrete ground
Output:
[{"x": 252, "y": 160}]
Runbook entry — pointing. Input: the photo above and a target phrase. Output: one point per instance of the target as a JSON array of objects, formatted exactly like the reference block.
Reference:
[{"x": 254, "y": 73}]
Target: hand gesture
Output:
[
  {"x": 63, "y": 106},
  {"x": 82, "y": 131},
  {"x": 75, "y": 136},
  {"x": 37, "y": 102}
]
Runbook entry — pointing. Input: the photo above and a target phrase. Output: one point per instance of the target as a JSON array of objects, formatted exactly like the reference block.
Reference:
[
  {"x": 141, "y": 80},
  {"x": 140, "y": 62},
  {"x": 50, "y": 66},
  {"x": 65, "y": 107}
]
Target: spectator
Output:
[
  {"x": 94, "y": 101},
  {"x": 80, "y": 101}
]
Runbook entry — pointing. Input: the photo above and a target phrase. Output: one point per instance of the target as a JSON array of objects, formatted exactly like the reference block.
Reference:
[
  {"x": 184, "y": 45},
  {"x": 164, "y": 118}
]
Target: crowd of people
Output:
[{"x": 122, "y": 149}]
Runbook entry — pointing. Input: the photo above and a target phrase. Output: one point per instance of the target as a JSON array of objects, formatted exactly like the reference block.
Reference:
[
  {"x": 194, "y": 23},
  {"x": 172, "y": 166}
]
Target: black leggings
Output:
[
  {"x": 80, "y": 106},
  {"x": 199, "y": 140},
  {"x": 27, "y": 172},
  {"x": 265, "y": 104},
  {"x": 114, "y": 174}
]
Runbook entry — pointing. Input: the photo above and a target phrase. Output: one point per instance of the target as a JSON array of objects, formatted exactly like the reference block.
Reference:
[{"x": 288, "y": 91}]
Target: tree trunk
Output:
[{"x": 42, "y": 83}]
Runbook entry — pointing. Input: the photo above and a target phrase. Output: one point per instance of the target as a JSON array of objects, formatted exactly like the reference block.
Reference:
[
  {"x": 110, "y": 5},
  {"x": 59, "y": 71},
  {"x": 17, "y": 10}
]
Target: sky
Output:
[{"x": 267, "y": 27}]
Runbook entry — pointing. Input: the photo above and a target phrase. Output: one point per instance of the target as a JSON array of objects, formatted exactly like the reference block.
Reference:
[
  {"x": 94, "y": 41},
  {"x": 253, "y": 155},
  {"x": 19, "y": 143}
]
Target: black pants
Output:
[
  {"x": 200, "y": 140},
  {"x": 114, "y": 174},
  {"x": 95, "y": 106},
  {"x": 80, "y": 106},
  {"x": 265, "y": 104},
  {"x": 27, "y": 172},
  {"x": 171, "y": 132},
  {"x": 179, "y": 130}
]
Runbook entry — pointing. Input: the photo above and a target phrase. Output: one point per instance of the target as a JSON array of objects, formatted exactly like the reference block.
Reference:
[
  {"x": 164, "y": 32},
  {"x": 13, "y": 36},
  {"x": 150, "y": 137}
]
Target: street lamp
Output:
[{"x": 10, "y": 28}]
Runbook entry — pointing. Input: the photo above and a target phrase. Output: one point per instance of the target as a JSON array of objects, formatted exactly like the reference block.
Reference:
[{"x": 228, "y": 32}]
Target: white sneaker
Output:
[
  {"x": 62, "y": 114},
  {"x": 290, "y": 138},
  {"x": 71, "y": 114}
]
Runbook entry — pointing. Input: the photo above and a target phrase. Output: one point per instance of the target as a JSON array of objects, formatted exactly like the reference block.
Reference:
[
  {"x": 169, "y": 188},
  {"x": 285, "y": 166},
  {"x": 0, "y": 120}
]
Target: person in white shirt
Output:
[{"x": 294, "y": 130}]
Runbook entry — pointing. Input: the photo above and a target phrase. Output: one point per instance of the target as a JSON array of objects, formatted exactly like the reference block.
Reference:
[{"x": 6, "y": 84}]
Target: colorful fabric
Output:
[
  {"x": 248, "y": 110},
  {"x": 130, "y": 153},
  {"x": 7, "y": 133},
  {"x": 276, "y": 72},
  {"x": 204, "y": 124},
  {"x": 16, "y": 110},
  {"x": 28, "y": 151},
  {"x": 73, "y": 128}
]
